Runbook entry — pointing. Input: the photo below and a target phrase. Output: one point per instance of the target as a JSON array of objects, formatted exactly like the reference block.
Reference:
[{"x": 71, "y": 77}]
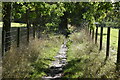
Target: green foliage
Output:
[
  {"x": 47, "y": 15},
  {"x": 97, "y": 12}
]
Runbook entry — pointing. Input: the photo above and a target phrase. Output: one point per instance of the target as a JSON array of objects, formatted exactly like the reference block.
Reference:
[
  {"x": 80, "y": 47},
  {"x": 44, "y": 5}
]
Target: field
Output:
[
  {"x": 15, "y": 24},
  {"x": 113, "y": 37}
]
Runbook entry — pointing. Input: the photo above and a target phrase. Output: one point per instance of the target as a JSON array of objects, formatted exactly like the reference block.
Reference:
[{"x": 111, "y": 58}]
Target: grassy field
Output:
[
  {"x": 14, "y": 24},
  {"x": 113, "y": 37}
]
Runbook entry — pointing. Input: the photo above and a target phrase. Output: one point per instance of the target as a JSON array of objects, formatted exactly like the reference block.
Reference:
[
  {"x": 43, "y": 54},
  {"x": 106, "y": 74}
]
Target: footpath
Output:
[{"x": 56, "y": 67}]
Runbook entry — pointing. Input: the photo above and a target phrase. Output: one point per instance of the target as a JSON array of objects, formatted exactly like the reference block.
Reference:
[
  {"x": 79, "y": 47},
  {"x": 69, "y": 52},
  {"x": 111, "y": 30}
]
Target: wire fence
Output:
[
  {"x": 16, "y": 36},
  {"x": 94, "y": 34}
]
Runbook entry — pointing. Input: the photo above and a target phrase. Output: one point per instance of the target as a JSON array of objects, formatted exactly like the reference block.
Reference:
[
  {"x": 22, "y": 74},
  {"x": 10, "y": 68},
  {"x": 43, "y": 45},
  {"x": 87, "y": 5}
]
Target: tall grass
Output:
[
  {"x": 30, "y": 61},
  {"x": 86, "y": 61}
]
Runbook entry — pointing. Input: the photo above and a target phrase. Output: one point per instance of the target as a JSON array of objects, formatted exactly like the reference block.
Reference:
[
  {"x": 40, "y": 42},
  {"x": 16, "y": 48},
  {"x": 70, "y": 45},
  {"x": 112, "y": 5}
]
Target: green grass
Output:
[
  {"x": 14, "y": 24},
  {"x": 113, "y": 37},
  {"x": 49, "y": 50},
  {"x": 31, "y": 61},
  {"x": 85, "y": 60}
]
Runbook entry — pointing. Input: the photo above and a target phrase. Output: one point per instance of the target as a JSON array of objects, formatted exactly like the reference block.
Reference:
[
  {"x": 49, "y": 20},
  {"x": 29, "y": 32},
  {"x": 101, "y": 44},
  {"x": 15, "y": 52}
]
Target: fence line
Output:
[
  {"x": 108, "y": 42},
  {"x": 17, "y": 36}
]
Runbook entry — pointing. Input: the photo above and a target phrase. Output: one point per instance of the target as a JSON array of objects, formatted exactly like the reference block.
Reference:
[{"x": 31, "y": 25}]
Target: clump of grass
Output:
[
  {"x": 16, "y": 62},
  {"x": 86, "y": 61},
  {"x": 31, "y": 61}
]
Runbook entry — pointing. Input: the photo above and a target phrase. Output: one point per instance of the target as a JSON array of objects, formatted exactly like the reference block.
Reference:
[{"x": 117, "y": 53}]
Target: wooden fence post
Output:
[
  {"x": 101, "y": 36},
  {"x": 96, "y": 34},
  {"x": 3, "y": 42},
  {"x": 118, "y": 53},
  {"x": 33, "y": 32},
  {"x": 28, "y": 24},
  {"x": 28, "y": 31},
  {"x": 108, "y": 42},
  {"x": 90, "y": 31},
  {"x": 18, "y": 37},
  {"x": 93, "y": 34}
]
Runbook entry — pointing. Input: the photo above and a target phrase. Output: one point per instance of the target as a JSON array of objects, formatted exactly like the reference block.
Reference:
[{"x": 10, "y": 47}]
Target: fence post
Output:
[
  {"x": 96, "y": 34},
  {"x": 93, "y": 34},
  {"x": 118, "y": 53},
  {"x": 101, "y": 36},
  {"x": 18, "y": 37},
  {"x": 28, "y": 31},
  {"x": 33, "y": 32},
  {"x": 3, "y": 42},
  {"x": 108, "y": 42},
  {"x": 90, "y": 31}
]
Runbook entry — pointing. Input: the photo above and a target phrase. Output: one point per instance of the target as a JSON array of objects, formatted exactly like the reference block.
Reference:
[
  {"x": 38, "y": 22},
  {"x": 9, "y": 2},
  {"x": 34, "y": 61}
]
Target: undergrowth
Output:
[
  {"x": 86, "y": 61},
  {"x": 31, "y": 61}
]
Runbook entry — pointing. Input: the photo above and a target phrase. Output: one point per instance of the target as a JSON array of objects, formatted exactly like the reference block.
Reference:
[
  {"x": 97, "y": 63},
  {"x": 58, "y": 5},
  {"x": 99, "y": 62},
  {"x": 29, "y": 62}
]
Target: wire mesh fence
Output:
[
  {"x": 16, "y": 36},
  {"x": 108, "y": 36}
]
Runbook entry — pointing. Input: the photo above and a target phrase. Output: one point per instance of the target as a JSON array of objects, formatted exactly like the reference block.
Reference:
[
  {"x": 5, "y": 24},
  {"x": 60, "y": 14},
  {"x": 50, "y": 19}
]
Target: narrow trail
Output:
[{"x": 56, "y": 68}]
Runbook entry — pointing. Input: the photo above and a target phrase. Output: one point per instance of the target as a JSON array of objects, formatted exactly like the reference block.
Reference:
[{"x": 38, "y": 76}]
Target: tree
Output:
[{"x": 7, "y": 24}]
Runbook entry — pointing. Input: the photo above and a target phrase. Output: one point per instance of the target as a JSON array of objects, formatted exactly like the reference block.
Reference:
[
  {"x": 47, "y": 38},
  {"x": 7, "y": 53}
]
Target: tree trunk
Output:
[
  {"x": 28, "y": 24},
  {"x": 63, "y": 25},
  {"x": 7, "y": 24}
]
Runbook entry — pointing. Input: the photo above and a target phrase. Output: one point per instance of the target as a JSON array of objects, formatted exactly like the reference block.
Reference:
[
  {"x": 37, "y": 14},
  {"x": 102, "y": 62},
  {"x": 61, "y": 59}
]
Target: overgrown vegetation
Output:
[
  {"x": 31, "y": 61},
  {"x": 85, "y": 60}
]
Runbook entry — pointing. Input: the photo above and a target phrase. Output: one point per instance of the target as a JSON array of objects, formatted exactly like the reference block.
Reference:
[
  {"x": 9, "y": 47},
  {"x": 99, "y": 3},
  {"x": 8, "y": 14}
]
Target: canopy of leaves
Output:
[{"x": 46, "y": 15}]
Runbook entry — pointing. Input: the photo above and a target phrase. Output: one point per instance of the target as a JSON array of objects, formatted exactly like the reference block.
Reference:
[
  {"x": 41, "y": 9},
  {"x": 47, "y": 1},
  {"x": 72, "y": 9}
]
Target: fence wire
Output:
[{"x": 15, "y": 36}]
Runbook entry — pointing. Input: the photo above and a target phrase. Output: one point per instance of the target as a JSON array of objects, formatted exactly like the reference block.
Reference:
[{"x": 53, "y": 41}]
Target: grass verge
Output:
[
  {"x": 86, "y": 61},
  {"x": 32, "y": 60}
]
